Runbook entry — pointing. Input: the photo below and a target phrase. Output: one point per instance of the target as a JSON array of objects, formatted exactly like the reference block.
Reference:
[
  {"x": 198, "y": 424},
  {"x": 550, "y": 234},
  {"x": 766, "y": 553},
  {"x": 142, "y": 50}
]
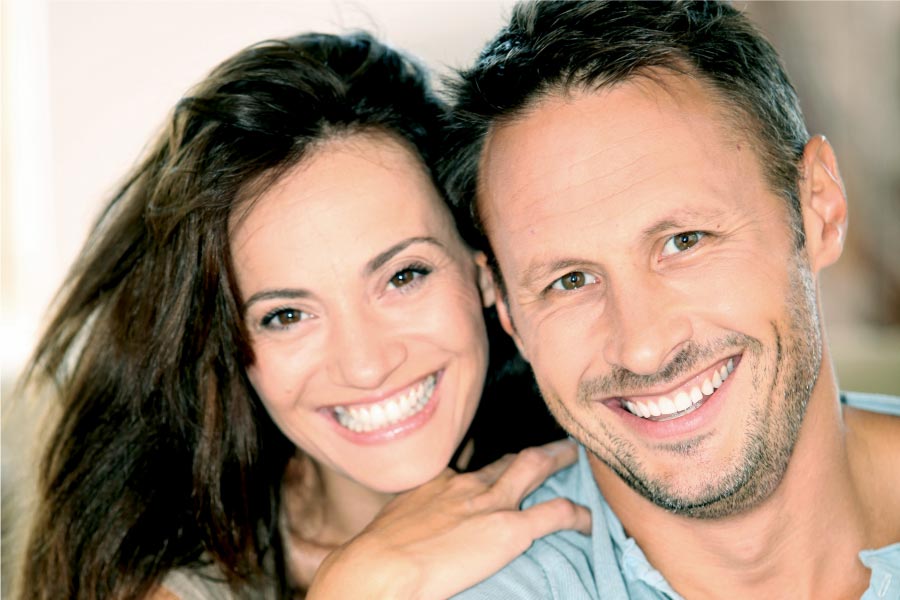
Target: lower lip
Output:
[
  {"x": 396, "y": 430},
  {"x": 686, "y": 425}
]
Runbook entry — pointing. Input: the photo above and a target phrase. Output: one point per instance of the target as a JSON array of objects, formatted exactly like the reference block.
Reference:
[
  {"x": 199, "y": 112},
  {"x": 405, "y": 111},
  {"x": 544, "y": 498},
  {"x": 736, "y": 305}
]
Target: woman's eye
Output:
[
  {"x": 681, "y": 242},
  {"x": 573, "y": 281},
  {"x": 408, "y": 275},
  {"x": 283, "y": 318}
]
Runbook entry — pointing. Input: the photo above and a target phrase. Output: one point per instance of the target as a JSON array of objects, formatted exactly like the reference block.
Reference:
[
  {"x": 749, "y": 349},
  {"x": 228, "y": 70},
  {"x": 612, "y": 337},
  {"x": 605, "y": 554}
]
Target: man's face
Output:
[{"x": 652, "y": 282}]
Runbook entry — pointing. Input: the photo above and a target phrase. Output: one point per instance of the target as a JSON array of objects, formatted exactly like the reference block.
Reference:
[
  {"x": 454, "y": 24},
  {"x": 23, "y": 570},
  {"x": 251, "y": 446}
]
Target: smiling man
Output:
[{"x": 657, "y": 218}]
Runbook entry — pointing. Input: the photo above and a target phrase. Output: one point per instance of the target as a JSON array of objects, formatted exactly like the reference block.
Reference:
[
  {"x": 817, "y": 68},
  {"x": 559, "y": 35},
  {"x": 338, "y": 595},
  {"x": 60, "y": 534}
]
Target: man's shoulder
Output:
[
  {"x": 872, "y": 422},
  {"x": 872, "y": 425},
  {"x": 566, "y": 564},
  {"x": 575, "y": 482},
  {"x": 557, "y": 566},
  {"x": 882, "y": 404}
]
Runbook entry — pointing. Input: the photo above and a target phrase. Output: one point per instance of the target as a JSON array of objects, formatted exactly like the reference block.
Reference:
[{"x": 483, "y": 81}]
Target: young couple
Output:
[{"x": 282, "y": 332}]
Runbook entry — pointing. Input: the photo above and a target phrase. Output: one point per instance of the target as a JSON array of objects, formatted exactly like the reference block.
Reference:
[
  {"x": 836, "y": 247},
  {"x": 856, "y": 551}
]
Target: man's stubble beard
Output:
[{"x": 791, "y": 367}]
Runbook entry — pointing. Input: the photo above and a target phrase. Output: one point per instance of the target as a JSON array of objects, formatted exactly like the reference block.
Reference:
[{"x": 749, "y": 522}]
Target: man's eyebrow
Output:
[
  {"x": 539, "y": 270},
  {"x": 684, "y": 219},
  {"x": 378, "y": 261},
  {"x": 659, "y": 227}
]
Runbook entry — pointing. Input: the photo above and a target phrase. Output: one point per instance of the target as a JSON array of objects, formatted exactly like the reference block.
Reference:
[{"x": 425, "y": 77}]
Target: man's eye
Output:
[
  {"x": 408, "y": 275},
  {"x": 573, "y": 281},
  {"x": 283, "y": 318},
  {"x": 681, "y": 242}
]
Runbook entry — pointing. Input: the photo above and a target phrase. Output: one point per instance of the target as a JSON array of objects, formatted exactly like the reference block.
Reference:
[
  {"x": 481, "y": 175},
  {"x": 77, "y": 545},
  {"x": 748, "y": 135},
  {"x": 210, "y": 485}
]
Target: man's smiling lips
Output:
[{"x": 680, "y": 400}]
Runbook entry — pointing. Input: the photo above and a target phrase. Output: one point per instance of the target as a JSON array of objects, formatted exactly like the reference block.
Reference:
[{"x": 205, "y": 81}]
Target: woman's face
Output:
[{"x": 365, "y": 313}]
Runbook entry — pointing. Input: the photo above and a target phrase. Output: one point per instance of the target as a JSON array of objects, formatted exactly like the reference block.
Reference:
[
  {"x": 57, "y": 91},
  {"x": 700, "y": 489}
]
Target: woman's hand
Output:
[{"x": 452, "y": 532}]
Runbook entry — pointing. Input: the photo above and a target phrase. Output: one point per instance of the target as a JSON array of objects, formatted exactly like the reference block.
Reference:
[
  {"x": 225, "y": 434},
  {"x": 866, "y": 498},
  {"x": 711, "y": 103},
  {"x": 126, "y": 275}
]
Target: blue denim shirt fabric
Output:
[{"x": 609, "y": 565}]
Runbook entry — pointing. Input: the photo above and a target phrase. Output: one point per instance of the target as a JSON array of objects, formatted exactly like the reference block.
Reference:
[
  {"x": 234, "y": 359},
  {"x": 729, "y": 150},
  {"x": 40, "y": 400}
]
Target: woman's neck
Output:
[
  {"x": 347, "y": 506},
  {"x": 324, "y": 507}
]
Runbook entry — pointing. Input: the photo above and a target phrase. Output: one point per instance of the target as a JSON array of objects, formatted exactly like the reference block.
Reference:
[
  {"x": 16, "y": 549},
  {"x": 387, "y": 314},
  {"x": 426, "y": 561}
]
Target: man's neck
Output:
[{"x": 801, "y": 542}]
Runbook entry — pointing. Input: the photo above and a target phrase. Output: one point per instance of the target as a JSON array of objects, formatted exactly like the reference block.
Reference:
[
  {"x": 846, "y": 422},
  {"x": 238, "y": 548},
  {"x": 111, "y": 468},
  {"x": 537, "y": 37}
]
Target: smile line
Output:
[
  {"x": 681, "y": 401},
  {"x": 387, "y": 412}
]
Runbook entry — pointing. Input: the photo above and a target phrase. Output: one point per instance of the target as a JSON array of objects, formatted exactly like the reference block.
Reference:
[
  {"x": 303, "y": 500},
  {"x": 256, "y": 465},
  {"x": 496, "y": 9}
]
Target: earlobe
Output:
[
  {"x": 507, "y": 324},
  {"x": 485, "y": 280},
  {"x": 824, "y": 204},
  {"x": 491, "y": 295}
]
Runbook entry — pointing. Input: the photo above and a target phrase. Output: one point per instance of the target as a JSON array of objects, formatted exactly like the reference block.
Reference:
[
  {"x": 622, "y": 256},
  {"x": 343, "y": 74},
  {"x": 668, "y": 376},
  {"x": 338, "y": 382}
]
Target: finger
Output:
[
  {"x": 554, "y": 515},
  {"x": 531, "y": 467},
  {"x": 490, "y": 473}
]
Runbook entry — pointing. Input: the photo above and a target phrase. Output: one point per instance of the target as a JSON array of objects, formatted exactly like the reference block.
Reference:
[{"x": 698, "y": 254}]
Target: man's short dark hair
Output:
[{"x": 551, "y": 47}]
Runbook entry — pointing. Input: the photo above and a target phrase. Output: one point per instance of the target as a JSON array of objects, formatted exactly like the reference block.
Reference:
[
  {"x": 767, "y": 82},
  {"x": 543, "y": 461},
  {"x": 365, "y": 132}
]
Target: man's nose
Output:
[{"x": 648, "y": 324}]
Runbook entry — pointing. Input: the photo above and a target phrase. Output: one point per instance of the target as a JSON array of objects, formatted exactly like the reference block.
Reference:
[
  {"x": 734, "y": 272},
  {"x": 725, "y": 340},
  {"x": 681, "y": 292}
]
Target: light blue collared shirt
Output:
[{"x": 610, "y": 565}]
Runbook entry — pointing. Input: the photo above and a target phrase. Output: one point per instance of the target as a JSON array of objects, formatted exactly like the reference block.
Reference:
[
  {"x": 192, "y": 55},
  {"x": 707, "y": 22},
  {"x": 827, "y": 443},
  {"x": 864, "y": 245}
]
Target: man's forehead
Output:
[
  {"x": 576, "y": 139},
  {"x": 640, "y": 150}
]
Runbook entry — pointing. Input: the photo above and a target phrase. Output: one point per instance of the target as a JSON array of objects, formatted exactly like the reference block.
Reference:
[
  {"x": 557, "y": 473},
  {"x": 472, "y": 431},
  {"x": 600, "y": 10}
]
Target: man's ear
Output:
[
  {"x": 507, "y": 323},
  {"x": 492, "y": 294},
  {"x": 485, "y": 280},
  {"x": 824, "y": 204}
]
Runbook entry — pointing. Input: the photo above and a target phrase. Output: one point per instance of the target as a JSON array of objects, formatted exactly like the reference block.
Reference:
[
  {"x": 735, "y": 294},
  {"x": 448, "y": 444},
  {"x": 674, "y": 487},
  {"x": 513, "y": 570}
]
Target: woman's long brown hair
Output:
[{"x": 163, "y": 456}]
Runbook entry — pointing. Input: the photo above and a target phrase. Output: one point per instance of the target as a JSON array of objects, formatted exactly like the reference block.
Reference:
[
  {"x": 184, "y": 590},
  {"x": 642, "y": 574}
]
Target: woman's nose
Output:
[{"x": 365, "y": 351}]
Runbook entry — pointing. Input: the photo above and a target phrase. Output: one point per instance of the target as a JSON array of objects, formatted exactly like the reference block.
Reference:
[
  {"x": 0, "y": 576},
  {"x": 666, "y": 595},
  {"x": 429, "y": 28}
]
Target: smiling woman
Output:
[
  {"x": 363, "y": 333},
  {"x": 272, "y": 347}
]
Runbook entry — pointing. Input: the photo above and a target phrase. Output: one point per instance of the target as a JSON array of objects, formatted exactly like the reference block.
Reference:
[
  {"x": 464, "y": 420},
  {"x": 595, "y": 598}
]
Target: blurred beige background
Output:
[{"x": 86, "y": 83}]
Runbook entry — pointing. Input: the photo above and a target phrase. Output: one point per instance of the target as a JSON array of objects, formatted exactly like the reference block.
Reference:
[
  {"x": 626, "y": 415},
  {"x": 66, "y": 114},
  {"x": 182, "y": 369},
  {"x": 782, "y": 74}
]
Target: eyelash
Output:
[
  {"x": 270, "y": 320},
  {"x": 671, "y": 240},
  {"x": 419, "y": 271},
  {"x": 558, "y": 285},
  {"x": 273, "y": 315}
]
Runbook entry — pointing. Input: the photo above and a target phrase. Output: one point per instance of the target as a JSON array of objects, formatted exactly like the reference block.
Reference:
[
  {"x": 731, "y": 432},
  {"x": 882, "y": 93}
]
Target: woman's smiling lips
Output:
[{"x": 388, "y": 417}]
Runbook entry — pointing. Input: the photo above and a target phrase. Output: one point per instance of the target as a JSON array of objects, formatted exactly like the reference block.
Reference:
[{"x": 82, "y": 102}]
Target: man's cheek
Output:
[{"x": 550, "y": 356}]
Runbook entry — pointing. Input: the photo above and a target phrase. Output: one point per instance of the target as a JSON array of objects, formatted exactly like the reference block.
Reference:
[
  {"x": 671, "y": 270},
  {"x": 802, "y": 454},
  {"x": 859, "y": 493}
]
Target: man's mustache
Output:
[{"x": 692, "y": 356}]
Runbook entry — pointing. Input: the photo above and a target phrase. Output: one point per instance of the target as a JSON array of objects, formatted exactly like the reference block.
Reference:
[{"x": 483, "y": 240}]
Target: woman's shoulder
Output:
[{"x": 205, "y": 583}]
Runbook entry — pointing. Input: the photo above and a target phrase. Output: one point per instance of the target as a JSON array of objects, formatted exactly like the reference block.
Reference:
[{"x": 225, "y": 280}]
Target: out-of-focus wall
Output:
[
  {"x": 844, "y": 60},
  {"x": 86, "y": 83}
]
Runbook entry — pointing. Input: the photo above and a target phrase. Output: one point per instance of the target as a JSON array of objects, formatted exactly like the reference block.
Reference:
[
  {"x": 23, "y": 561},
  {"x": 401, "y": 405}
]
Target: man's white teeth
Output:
[
  {"x": 683, "y": 401},
  {"x": 387, "y": 412},
  {"x": 696, "y": 395}
]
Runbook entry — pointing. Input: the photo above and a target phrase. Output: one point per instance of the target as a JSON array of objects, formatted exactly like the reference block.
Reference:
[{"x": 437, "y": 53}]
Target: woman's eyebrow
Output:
[
  {"x": 379, "y": 260},
  {"x": 285, "y": 293},
  {"x": 370, "y": 267}
]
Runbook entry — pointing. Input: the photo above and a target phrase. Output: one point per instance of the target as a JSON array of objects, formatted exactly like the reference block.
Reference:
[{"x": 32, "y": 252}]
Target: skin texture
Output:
[
  {"x": 641, "y": 247},
  {"x": 658, "y": 314},
  {"x": 348, "y": 334},
  {"x": 358, "y": 287},
  {"x": 420, "y": 544}
]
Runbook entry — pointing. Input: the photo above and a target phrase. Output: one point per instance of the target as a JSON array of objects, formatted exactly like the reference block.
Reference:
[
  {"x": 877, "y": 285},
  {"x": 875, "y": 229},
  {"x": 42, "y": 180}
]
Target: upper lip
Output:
[
  {"x": 670, "y": 388},
  {"x": 383, "y": 395}
]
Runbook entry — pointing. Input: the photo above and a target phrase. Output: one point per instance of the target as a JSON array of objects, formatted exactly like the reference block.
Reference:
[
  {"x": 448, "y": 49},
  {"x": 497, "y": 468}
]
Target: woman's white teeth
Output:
[
  {"x": 386, "y": 412},
  {"x": 684, "y": 400}
]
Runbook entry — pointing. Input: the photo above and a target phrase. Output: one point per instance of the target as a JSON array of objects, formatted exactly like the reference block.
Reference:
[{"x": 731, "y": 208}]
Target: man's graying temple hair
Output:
[{"x": 551, "y": 47}]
